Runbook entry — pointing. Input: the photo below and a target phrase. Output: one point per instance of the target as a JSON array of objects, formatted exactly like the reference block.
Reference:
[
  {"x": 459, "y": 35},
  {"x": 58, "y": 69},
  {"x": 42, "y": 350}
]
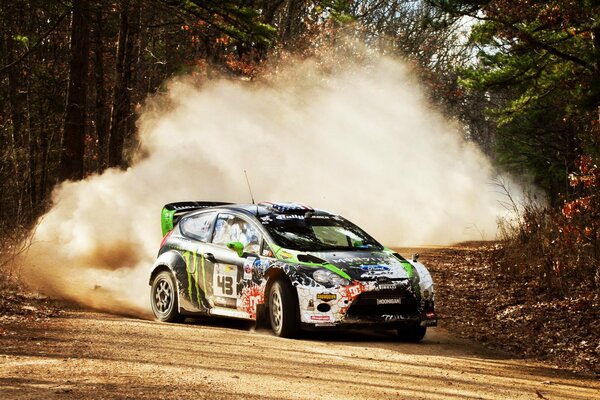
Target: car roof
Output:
[{"x": 267, "y": 208}]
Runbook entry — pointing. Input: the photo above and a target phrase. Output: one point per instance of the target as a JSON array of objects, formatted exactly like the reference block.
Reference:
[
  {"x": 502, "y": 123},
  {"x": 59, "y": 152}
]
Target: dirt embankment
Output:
[{"x": 479, "y": 300}]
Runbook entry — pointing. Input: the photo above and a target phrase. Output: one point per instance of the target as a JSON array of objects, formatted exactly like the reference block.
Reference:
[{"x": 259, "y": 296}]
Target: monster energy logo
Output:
[{"x": 193, "y": 274}]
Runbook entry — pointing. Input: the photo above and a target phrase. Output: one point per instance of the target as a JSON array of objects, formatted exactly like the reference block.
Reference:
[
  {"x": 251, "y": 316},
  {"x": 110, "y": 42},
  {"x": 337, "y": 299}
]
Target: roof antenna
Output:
[{"x": 249, "y": 188}]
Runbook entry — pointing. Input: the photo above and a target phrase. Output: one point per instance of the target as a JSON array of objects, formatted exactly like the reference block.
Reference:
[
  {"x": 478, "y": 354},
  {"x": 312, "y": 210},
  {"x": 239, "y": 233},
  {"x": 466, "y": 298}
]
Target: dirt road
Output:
[{"x": 81, "y": 354}]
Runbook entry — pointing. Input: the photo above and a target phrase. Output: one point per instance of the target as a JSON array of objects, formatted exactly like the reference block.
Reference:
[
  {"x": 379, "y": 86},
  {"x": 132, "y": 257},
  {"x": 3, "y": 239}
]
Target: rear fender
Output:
[{"x": 174, "y": 262}]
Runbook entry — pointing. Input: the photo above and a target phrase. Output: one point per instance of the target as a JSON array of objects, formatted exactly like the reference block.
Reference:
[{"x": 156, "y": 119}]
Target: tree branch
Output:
[
  {"x": 35, "y": 46},
  {"x": 553, "y": 50}
]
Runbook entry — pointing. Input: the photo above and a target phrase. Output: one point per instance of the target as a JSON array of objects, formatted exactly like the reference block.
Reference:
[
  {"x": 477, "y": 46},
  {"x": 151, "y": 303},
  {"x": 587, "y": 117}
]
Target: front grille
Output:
[{"x": 366, "y": 303}]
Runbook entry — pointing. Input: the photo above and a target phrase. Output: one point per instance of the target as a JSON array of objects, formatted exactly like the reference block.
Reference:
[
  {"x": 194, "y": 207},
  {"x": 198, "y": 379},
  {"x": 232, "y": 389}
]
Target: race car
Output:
[{"x": 287, "y": 264}]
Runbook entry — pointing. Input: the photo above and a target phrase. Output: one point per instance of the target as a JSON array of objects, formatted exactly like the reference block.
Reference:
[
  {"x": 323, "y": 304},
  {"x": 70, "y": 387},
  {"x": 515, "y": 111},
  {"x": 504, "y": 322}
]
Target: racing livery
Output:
[{"x": 288, "y": 264}]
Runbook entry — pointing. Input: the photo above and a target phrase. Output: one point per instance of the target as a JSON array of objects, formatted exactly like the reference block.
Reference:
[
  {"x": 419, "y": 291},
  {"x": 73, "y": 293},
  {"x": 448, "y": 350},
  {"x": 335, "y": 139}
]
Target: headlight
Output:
[
  {"x": 428, "y": 292},
  {"x": 326, "y": 277}
]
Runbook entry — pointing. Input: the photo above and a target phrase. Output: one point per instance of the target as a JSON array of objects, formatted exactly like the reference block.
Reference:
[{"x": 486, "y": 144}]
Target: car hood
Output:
[{"x": 368, "y": 265}]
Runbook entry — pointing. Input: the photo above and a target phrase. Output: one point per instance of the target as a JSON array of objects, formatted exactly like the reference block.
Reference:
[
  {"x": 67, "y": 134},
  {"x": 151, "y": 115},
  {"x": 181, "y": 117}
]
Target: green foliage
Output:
[
  {"x": 23, "y": 40},
  {"x": 339, "y": 10},
  {"x": 233, "y": 18},
  {"x": 539, "y": 65}
]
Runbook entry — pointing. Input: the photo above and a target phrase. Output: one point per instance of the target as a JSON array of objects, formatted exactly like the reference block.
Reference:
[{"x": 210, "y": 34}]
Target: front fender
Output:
[{"x": 425, "y": 279}]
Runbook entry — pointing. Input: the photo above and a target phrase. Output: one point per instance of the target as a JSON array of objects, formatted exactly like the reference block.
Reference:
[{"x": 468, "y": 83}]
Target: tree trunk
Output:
[
  {"x": 33, "y": 152},
  {"x": 15, "y": 94},
  {"x": 595, "y": 84},
  {"x": 125, "y": 72},
  {"x": 73, "y": 144},
  {"x": 132, "y": 63},
  {"x": 101, "y": 109}
]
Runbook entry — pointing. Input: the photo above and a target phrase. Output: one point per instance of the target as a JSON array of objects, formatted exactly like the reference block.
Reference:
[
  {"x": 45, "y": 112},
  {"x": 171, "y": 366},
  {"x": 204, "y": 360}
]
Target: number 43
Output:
[{"x": 226, "y": 284}]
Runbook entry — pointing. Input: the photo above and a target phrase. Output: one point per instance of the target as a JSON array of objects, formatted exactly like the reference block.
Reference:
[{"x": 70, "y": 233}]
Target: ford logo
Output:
[{"x": 373, "y": 268}]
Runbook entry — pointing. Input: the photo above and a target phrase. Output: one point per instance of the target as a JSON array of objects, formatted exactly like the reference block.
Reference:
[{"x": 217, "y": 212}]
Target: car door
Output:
[
  {"x": 232, "y": 274},
  {"x": 197, "y": 257}
]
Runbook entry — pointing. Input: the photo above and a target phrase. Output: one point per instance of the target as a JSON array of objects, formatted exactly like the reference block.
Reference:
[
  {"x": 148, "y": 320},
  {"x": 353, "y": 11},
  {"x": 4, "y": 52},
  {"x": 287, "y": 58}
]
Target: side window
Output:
[
  {"x": 230, "y": 228},
  {"x": 265, "y": 249},
  {"x": 198, "y": 226}
]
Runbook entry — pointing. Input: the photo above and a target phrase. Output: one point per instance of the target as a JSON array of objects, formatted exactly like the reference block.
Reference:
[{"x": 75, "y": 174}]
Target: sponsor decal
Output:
[
  {"x": 261, "y": 265},
  {"x": 326, "y": 296},
  {"x": 251, "y": 297},
  {"x": 388, "y": 301},
  {"x": 320, "y": 318},
  {"x": 374, "y": 268},
  {"x": 352, "y": 291},
  {"x": 388, "y": 317},
  {"x": 248, "y": 267},
  {"x": 285, "y": 254},
  {"x": 387, "y": 286},
  {"x": 290, "y": 216},
  {"x": 353, "y": 260},
  {"x": 267, "y": 253},
  {"x": 283, "y": 207},
  {"x": 321, "y": 217},
  {"x": 183, "y": 207},
  {"x": 219, "y": 301}
]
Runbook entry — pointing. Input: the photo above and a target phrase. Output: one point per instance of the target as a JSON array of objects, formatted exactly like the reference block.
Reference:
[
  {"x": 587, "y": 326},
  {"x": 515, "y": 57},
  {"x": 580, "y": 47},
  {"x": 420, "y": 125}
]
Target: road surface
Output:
[{"x": 82, "y": 354}]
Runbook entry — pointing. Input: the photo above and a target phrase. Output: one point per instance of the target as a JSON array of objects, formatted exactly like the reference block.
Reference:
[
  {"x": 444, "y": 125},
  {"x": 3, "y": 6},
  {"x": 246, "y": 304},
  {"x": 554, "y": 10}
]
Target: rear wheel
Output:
[
  {"x": 163, "y": 298},
  {"x": 283, "y": 310},
  {"x": 412, "y": 334}
]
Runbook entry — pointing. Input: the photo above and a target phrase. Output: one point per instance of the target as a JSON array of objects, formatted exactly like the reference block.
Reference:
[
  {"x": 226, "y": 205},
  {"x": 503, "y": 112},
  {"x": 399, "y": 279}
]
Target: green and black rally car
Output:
[{"x": 298, "y": 267}]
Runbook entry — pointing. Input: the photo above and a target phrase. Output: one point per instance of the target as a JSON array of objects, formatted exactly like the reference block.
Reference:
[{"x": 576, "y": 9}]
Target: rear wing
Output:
[{"x": 172, "y": 212}]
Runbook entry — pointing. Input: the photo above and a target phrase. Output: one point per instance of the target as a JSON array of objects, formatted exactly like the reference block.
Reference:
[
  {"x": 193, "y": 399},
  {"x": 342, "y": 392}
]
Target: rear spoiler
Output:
[{"x": 172, "y": 212}]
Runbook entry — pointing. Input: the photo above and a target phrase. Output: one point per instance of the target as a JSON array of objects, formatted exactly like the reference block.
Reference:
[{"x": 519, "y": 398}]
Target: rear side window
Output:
[{"x": 198, "y": 226}]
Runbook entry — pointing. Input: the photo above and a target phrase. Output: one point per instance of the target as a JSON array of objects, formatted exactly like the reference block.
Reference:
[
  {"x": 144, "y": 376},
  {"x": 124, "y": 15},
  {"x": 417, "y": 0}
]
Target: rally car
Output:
[{"x": 288, "y": 264}]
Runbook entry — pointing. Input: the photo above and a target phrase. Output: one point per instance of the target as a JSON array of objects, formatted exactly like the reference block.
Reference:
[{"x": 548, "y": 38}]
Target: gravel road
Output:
[{"x": 82, "y": 354}]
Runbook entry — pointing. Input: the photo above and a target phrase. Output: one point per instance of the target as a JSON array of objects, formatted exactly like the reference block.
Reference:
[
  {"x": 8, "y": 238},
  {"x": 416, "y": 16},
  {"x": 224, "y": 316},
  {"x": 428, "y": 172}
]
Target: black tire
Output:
[
  {"x": 412, "y": 334},
  {"x": 262, "y": 317},
  {"x": 283, "y": 310},
  {"x": 163, "y": 298}
]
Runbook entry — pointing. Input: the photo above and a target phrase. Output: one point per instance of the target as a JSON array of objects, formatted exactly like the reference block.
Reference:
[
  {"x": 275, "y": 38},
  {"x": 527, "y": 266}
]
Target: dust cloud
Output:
[{"x": 355, "y": 139}]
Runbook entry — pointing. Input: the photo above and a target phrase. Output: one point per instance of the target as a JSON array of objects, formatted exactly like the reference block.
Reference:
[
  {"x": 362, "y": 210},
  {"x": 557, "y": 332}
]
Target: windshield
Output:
[{"x": 317, "y": 232}]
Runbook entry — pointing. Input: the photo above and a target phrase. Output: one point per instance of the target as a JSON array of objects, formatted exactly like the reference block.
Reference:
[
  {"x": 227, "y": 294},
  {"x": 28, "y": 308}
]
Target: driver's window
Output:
[{"x": 230, "y": 228}]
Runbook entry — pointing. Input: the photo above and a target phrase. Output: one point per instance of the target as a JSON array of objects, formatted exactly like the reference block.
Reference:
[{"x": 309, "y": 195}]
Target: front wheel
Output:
[
  {"x": 412, "y": 334},
  {"x": 283, "y": 310},
  {"x": 163, "y": 298}
]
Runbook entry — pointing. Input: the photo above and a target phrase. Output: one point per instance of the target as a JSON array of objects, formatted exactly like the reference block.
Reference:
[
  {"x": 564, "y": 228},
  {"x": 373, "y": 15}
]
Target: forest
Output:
[{"x": 521, "y": 78}]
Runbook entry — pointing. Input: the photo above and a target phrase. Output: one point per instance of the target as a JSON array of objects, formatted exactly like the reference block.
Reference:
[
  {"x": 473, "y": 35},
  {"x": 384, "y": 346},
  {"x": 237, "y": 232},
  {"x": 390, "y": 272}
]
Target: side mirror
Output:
[
  {"x": 238, "y": 247},
  {"x": 415, "y": 257}
]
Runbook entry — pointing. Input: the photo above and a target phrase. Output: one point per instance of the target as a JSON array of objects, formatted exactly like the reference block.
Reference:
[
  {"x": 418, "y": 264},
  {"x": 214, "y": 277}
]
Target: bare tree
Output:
[
  {"x": 127, "y": 52},
  {"x": 73, "y": 143}
]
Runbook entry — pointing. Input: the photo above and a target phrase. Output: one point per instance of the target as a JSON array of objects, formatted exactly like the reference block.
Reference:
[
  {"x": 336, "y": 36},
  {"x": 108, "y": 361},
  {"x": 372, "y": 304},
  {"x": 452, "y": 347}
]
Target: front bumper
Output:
[{"x": 393, "y": 304}]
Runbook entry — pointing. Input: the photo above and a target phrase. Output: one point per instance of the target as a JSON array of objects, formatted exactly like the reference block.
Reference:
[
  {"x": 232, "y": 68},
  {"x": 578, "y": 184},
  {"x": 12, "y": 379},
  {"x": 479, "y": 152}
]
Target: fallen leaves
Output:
[{"x": 480, "y": 300}]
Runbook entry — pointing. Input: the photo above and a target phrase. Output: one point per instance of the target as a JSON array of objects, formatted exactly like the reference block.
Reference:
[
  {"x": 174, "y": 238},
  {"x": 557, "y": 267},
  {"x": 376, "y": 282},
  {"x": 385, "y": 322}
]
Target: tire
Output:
[
  {"x": 163, "y": 298},
  {"x": 412, "y": 334},
  {"x": 262, "y": 317},
  {"x": 283, "y": 310}
]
